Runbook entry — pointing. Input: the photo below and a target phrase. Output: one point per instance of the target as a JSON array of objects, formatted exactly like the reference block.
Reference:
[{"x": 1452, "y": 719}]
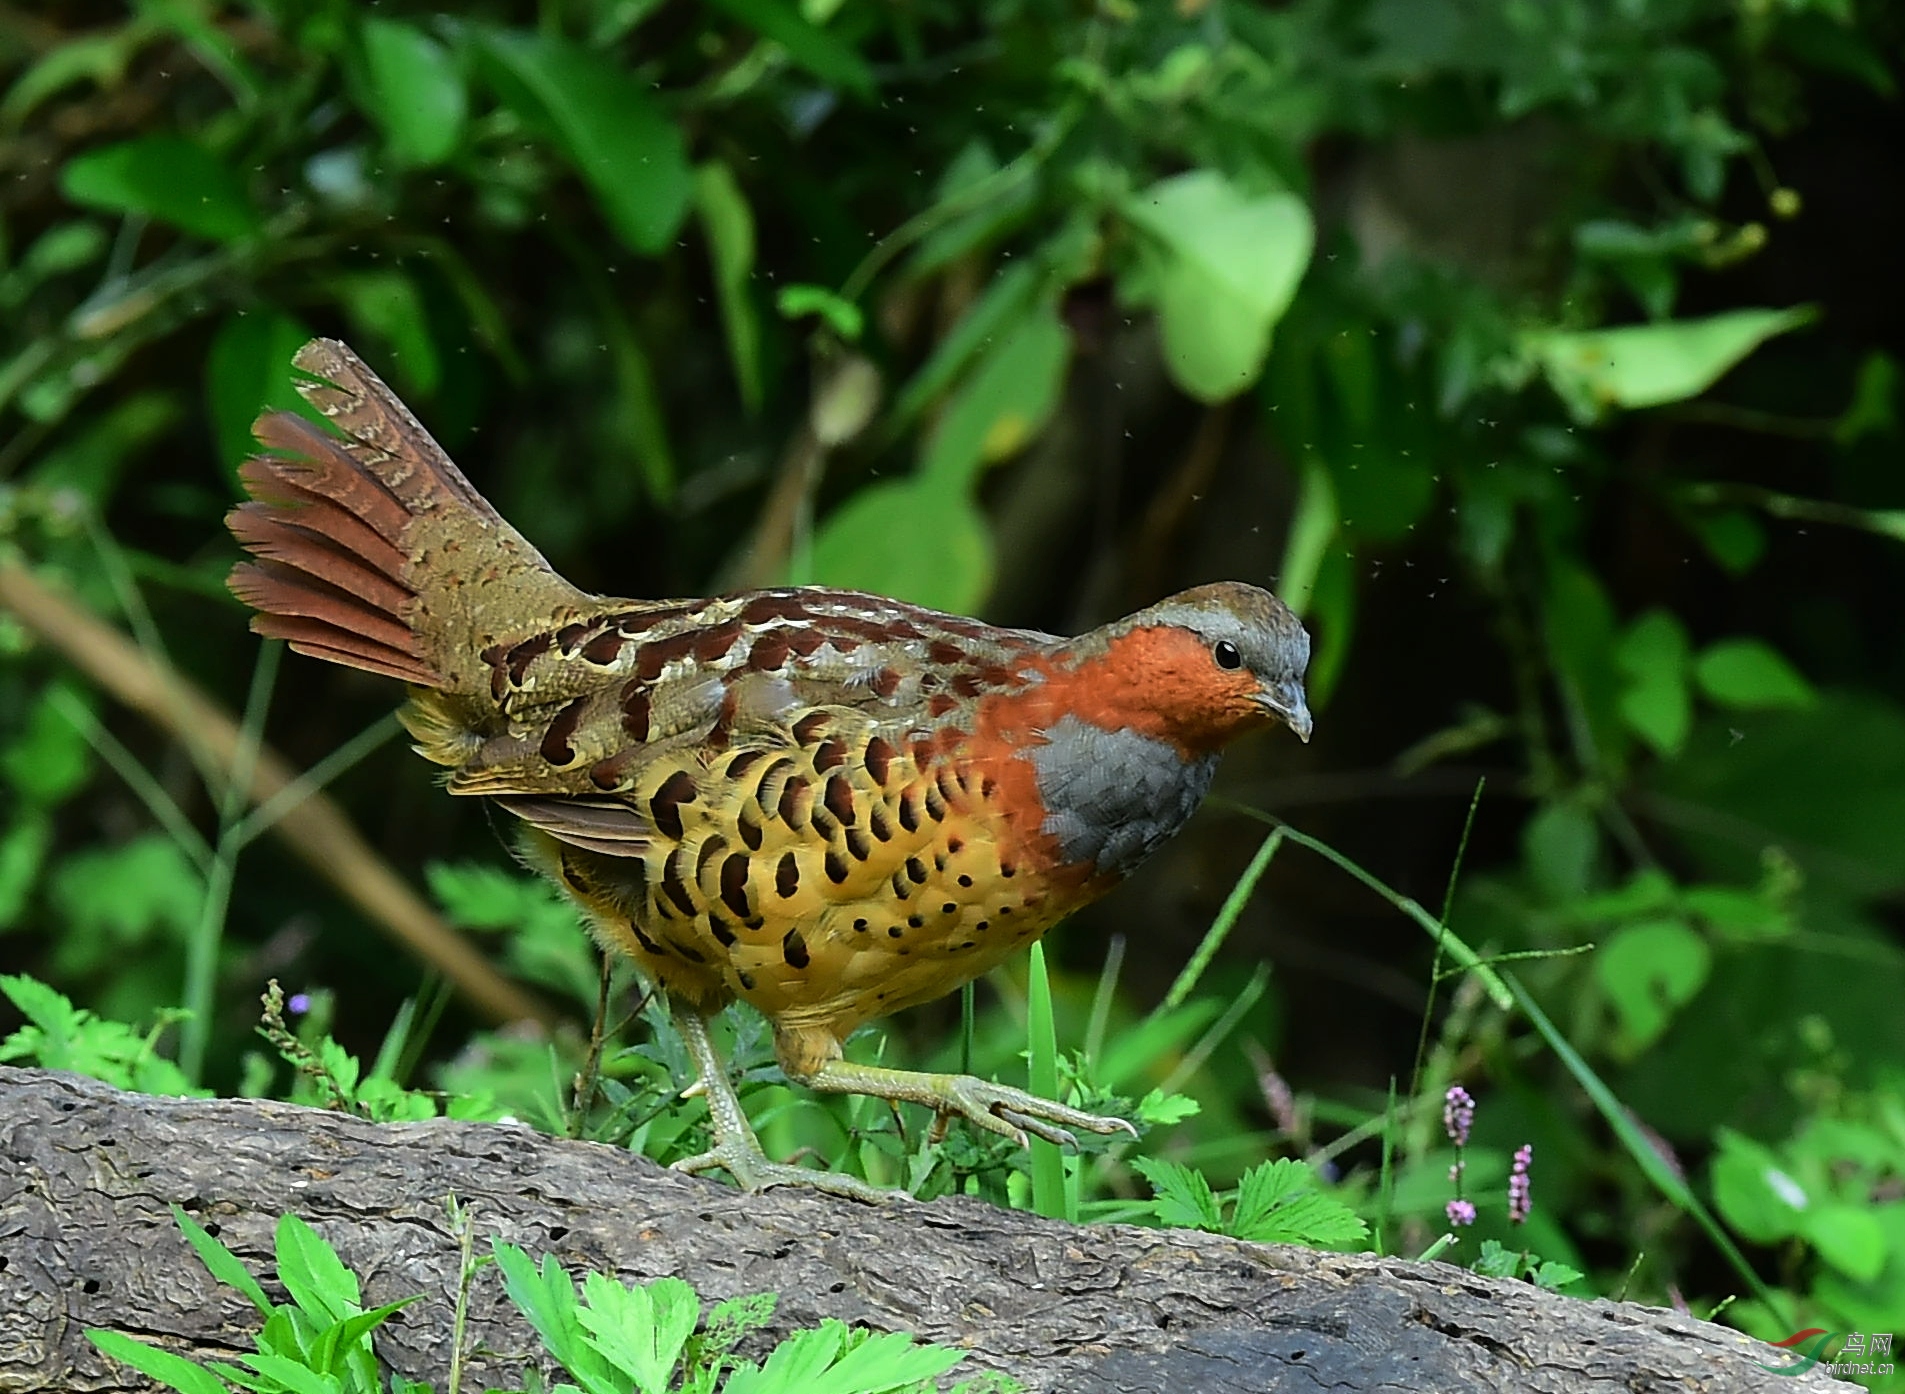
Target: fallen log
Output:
[{"x": 87, "y": 1176}]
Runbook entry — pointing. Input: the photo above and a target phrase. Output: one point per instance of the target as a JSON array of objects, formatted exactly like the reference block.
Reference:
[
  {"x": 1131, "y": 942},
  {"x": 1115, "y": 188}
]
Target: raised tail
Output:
[{"x": 372, "y": 550}]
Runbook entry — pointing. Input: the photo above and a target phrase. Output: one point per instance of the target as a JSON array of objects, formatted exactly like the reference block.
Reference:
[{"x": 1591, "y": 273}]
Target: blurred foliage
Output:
[{"x": 1544, "y": 354}]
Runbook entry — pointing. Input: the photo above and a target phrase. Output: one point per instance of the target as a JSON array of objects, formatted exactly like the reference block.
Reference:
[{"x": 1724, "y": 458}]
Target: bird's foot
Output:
[
  {"x": 743, "y": 1159},
  {"x": 998, "y": 1108}
]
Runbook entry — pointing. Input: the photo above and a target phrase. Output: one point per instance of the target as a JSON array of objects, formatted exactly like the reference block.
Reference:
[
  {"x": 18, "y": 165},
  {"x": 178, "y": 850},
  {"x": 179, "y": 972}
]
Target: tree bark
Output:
[{"x": 86, "y": 1240}]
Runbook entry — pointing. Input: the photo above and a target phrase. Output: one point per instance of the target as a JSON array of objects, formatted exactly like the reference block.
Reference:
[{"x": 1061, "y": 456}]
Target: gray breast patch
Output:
[{"x": 1112, "y": 797}]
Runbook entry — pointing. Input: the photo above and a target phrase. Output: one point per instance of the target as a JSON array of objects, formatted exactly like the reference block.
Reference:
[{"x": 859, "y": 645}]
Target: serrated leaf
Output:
[
  {"x": 1278, "y": 1203},
  {"x": 166, "y": 177},
  {"x": 1182, "y": 1196},
  {"x": 641, "y": 1330}
]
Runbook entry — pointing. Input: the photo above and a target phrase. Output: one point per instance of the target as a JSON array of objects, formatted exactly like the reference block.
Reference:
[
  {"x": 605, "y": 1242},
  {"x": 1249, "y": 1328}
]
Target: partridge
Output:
[{"x": 827, "y": 804}]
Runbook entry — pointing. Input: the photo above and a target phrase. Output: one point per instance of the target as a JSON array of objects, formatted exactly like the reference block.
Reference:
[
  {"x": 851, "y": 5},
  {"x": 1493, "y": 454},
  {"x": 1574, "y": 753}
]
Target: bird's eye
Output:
[{"x": 1226, "y": 655}]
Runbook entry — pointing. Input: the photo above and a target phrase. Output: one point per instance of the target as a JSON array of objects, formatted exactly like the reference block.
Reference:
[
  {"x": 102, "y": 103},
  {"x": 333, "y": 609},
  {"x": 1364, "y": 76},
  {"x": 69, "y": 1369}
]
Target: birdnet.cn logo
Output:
[{"x": 1861, "y": 1354}]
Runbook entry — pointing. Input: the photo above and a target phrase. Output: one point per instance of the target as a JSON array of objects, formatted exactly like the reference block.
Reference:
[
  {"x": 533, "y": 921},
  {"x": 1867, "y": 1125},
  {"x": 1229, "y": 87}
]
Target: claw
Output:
[{"x": 753, "y": 1172}]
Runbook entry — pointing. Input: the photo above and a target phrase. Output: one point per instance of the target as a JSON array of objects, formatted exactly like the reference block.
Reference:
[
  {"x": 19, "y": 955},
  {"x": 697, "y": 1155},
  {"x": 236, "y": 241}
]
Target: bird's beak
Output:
[{"x": 1288, "y": 704}]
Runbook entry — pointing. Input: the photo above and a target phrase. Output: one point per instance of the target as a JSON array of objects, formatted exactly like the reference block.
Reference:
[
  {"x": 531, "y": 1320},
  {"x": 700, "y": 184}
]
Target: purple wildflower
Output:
[
  {"x": 1458, "y": 1114},
  {"x": 1460, "y": 1212},
  {"x": 298, "y": 1004},
  {"x": 1520, "y": 1201}
]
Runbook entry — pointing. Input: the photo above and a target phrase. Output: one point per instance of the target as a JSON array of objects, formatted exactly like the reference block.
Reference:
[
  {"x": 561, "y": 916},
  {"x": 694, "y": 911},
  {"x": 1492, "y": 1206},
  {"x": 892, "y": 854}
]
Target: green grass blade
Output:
[
  {"x": 1048, "y": 1163},
  {"x": 1232, "y": 907}
]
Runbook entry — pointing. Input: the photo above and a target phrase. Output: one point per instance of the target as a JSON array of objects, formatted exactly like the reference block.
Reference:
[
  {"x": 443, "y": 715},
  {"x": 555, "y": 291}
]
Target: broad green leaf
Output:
[
  {"x": 1655, "y": 703},
  {"x": 166, "y": 177},
  {"x": 249, "y": 372},
  {"x": 1560, "y": 845},
  {"x": 1646, "y": 365},
  {"x": 413, "y": 91},
  {"x": 631, "y": 156},
  {"x": 1183, "y": 1197},
  {"x": 1004, "y": 403},
  {"x": 1748, "y": 674},
  {"x": 386, "y": 305},
  {"x": 1754, "y": 1192},
  {"x": 986, "y": 221},
  {"x": 1849, "y": 1237},
  {"x": 23, "y": 849},
  {"x": 173, "y": 1371},
  {"x": 124, "y": 895},
  {"x": 1222, "y": 268},
  {"x": 819, "y": 52},
  {"x": 51, "y": 758},
  {"x": 1649, "y": 971},
  {"x": 313, "y": 1274},
  {"x": 221, "y": 1262},
  {"x": 909, "y": 538},
  {"x": 546, "y": 1296},
  {"x": 728, "y": 224}
]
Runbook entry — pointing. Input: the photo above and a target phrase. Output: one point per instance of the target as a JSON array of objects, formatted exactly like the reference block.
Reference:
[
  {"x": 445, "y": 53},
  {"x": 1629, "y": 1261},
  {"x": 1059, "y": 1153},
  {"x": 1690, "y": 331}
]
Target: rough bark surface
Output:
[{"x": 86, "y": 1240}]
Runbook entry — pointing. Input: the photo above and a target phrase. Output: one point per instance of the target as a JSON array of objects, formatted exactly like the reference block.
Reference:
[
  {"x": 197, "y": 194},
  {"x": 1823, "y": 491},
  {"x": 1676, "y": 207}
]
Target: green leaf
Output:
[
  {"x": 248, "y": 372},
  {"x": 1655, "y": 703},
  {"x": 1754, "y": 1191},
  {"x": 728, "y": 224},
  {"x": 386, "y": 305},
  {"x": 1496, "y": 1260},
  {"x": 1748, "y": 674},
  {"x": 1278, "y": 1202},
  {"x": 1646, "y": 365},
  {"x": 1041, "y": 1035},
  {"x": 1555, "y": 1276},
  {"x": 1004, "y": 403},
  {"x": 1222, "y": 269},
  {"x": 643, "y": 1329},
  {"x": 1005, "y": 301},
  {"x": 293, "y": 1375},
  {"x": 1649, "y": 971},
  {"x": 913, "y": 539},
  {"x": 23, "y": 849},
  {"x": 1181, "y": 1196},
  {"x": 819, "y": 52},
  {"x": 127, "y": 894},
  {"x": 413, "y": 91},
  {"x": 842, "y": 316},
  {"x": 1560, "y": 845},
  {"x": 547, "y": 1298},
  {"x": 313, "y": 1274},
  {"x": 51, "y": 758},
  {"x": 1850, "y": 1238},
  {"x": 221, "y": 1262},
  {"x": 630, "y": 155},
  {"x": 168, "y": 178},
  {"x": 173, "y": 1371}
]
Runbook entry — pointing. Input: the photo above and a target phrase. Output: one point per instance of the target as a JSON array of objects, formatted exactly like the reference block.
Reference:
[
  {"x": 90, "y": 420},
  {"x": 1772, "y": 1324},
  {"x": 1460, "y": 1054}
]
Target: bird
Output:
[{"x": 827, "y": 804}]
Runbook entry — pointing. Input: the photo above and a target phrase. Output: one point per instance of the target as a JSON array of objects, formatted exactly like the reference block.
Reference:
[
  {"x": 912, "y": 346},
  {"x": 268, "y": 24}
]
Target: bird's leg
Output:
[
  {"x": 998, "y": 1108},
  {"x": 736, "y": 1150}
]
